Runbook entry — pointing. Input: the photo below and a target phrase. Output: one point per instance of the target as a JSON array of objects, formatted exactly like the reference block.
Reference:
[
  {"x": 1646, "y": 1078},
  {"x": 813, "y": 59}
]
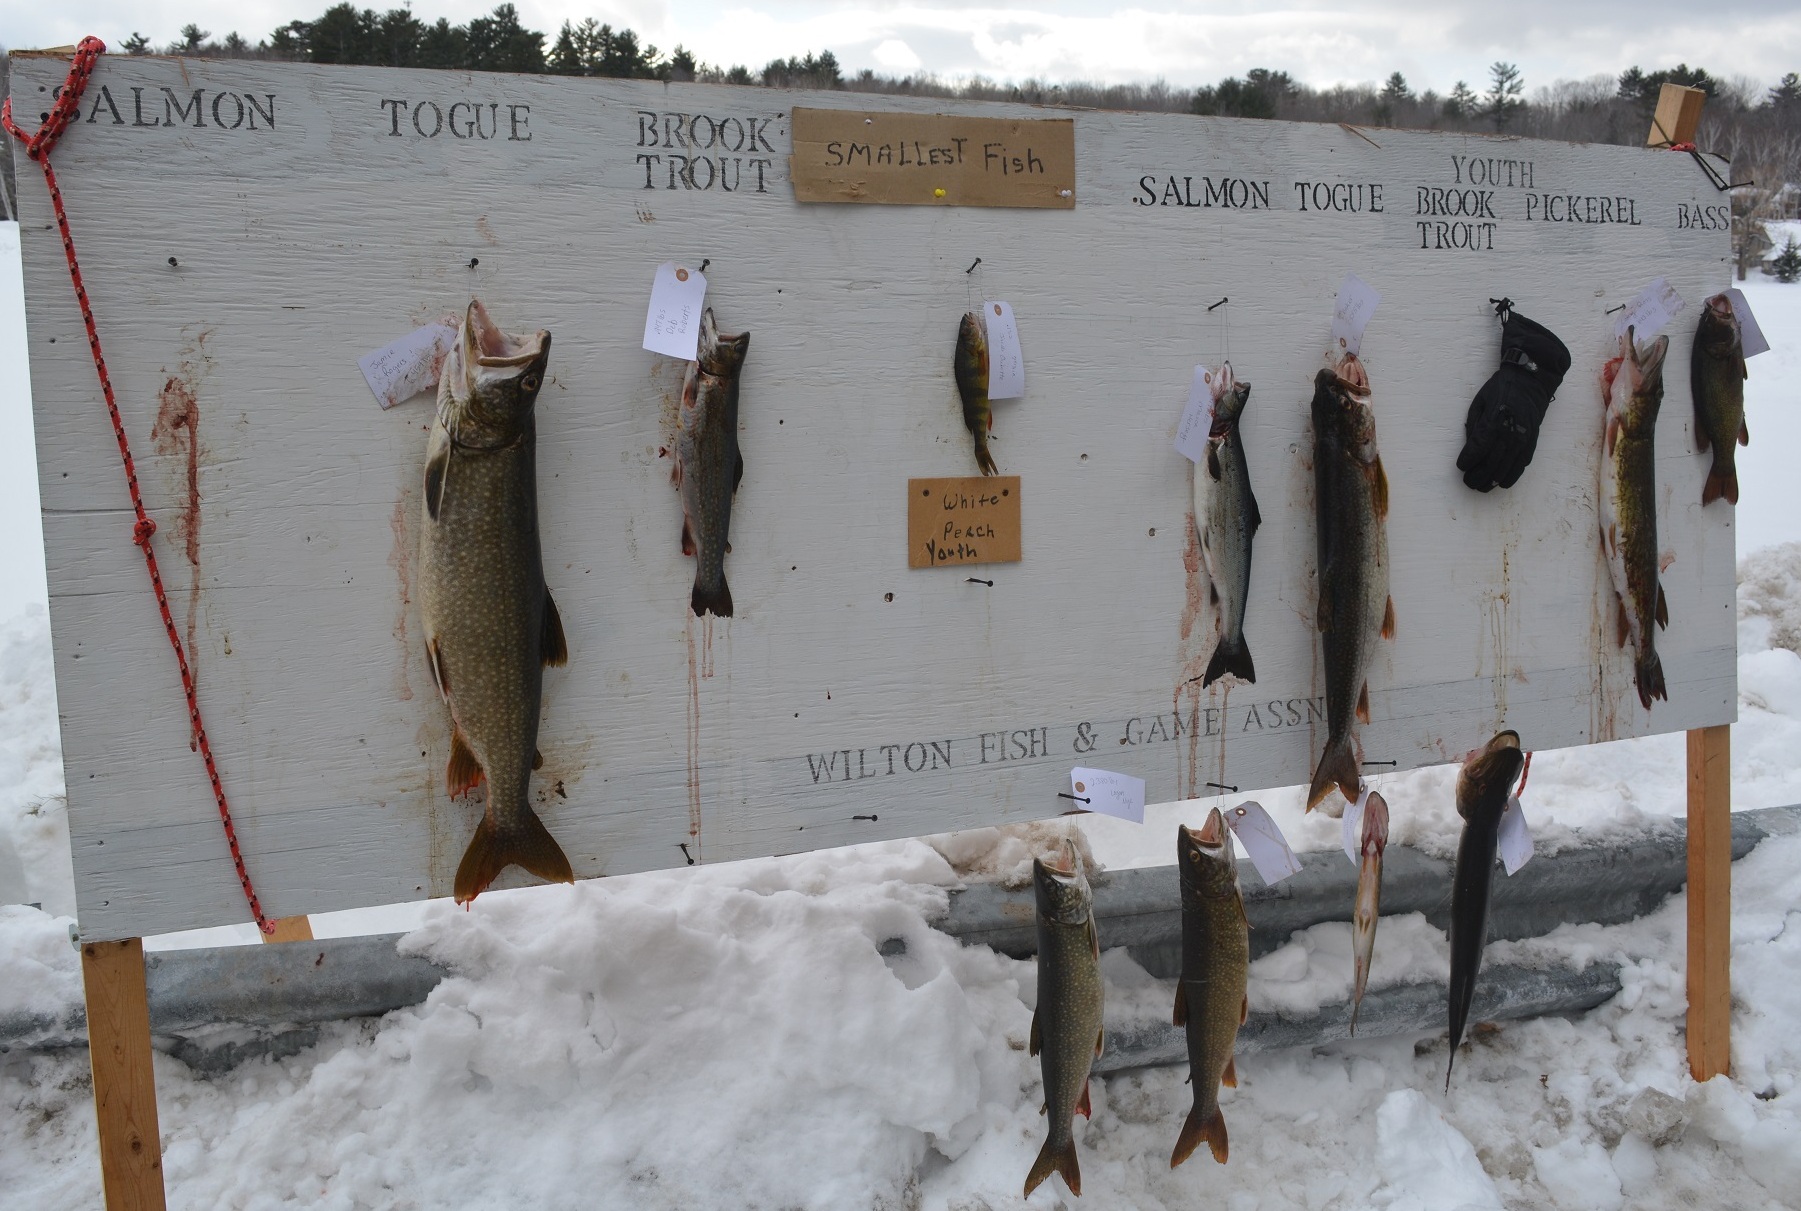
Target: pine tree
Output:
[
  {"x": 1785, "y": 98},
  {"x": 1461, "y": 103},
  {"x": 137, "y": 44},
  {"x": 1503, "y": 98},
  {"x": 1787, "y": 265}
]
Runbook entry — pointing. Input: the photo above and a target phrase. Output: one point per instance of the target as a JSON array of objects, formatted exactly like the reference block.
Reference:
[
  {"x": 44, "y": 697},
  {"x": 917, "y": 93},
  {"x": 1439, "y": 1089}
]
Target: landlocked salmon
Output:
[
  {"x": 1211, "y": 1002},
  {"x": 708, "y": 465},
  {"x": 1226, "y": 517},
  {"x": 1632, "y": 388},
  {"x": 1066, "y": 1026}
]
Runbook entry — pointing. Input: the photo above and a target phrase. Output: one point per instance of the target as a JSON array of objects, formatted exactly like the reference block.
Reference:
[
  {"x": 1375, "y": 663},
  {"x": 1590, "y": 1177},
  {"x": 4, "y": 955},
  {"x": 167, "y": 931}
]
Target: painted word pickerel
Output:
[
  {"x": 1632, "y": 385},
  {"x": 1483, "y": 785},
  {"x": 1210, "y": 997},
  {"x": 971, "y": 366},
  {"x": 490, "y": 625},
  {"x": 1226, "y": 515},
  {"x": 1066, "y": 1026},
  {"x": 708, "y": 465},
  {"x": 1351, "y": 511},
  {"x": 1717, "y": 373},
  {"x": 1373, "y": 839}
]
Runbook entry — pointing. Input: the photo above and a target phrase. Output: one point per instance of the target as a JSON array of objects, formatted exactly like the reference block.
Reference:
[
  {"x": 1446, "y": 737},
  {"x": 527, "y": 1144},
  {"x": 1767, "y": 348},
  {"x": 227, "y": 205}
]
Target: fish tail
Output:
[
  {"x": 1337, "y": 767},
  {"x": 1647, "y": 675},
  {"x": 1056, "y": 1158},
  {"x": 711, "y": 599},
  {"x": 1721, "y": 481},
  {"x": 984, "y": 459},
  {"x": 529, "y": 845},
  {"x": 1198, "y": 1127},
  {"x": 1230, "y": 656}
]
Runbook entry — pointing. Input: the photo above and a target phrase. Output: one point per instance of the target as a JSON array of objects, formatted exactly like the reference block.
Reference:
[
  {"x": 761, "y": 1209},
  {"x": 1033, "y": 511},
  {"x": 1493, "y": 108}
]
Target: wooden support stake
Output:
[
  {"x": 131, "y": 1155},
  {"x": 1709, "y": 901},
  {"x": 291, "y": 929},
  {"x": 1678, "y": 116}
]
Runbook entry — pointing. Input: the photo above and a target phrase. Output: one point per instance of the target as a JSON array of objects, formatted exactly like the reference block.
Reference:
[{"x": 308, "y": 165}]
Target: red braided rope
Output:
[{"x": 66, "y": 110}]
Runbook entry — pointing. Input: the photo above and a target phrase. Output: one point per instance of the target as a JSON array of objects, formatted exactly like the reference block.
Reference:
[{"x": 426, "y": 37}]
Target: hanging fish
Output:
[
  {"x": 708, "y": 465},
  {"x": 1226, "y": 515},
  {"x": 1483, "y": 785},
  {"x": 1211, "y": 1003},
  {"x": 971, "y": 366},
  {"x": 1717, "y": 373},
  {"x": 1373, "y": 839},
  {"x": 1632, "y": 385},
  {"x": 1066, "y": 1026}
]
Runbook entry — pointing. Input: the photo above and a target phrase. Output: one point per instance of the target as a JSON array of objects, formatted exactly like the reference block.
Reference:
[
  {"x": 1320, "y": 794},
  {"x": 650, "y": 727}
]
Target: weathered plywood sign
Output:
[
  {"x": 911, "y": 159},
  {"x": 251, "y": 229}
]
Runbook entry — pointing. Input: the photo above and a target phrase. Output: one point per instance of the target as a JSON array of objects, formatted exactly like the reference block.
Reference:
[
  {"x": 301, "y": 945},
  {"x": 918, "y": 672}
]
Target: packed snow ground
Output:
[{"x": 730, "y": 1037}]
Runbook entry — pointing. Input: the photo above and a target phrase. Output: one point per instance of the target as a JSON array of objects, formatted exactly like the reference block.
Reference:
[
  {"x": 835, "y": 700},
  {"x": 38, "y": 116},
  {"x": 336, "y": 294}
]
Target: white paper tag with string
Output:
[
  {"x": 1108, "y": 793},
  {"x": 1647, "y": 315},
  {"x": 1353, "y": 828},
  {"x": 1197, "y": 417},
  {"x": 672, "y": 325},
  {"x": 1263, "y": 842},
  {"x": 1006, "y": 363},
  {"x": 1751, "y": 338},
  {"x": 1356, "y": 303},
  {"x": 397, "y": 372},
  {"x": 1515, "y": 838}
]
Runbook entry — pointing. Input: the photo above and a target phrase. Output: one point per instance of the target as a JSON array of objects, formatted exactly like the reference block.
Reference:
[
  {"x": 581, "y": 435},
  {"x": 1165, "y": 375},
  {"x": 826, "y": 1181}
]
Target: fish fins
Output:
[
  {"x": 1244, "y": 1006},
  {"x": 435, "y": 468},
  {"x": 1056, "y": 1160},
  {"x": 1624, "y": 624},
  {"x": 490, "y": 851},
  {"x": 1180, "y": 1017},
  {"x": 706, "y": 600},
  {"x": 737, "y": 469},
  {"x": 984, "y": 459},
  {"x": 537, "y": 759},
  {"x": 1094, "y": 937},
  {"x": 1230, "y": 657},
  {"x": 1337, "y": 767},
  {"x": 436, "y": 659},
  {"x": 1100, "y": 1046},
  {"x": 1363, "y": 706},
  {"x": 1213, "y": 468},
  {"x": 1083, "y": 1106},
  {"x": 1323, "y": 615},
  {"x": 551, "y": 645},
  {"x": 464, "y": 773},
  {"x": 1720, "y": 482},
  {"x": 1035, "y": 1042},
  {"x": 1229, "y": 1078},
  {"x": 1647, "y": 675},
  {"x": 1212, "y": 1129},
  {"x": 687, "y": 537},
  {"x": 1388, "y": 620},
  {"x": 1663, "y": 609},
  {"x": 1744, "y": 433},
  {"x": 1256, "y": 515},
  {"x": 1702, "y": 441},
  {"x": 1379, "y": 490},
  {"x": 1212, "y": 593}
]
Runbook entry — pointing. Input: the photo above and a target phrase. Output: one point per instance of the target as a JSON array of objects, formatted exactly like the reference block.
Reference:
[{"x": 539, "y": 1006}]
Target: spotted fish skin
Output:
[
  {"x": 708, "y": 464},
  {"x": 1066, "y": 1026},
  {"x": 1632, "y": 386},
  {"x": 1211, "y": 1001}
]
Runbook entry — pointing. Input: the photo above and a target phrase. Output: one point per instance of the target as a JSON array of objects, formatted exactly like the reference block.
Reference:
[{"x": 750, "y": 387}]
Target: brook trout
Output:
[
  {"x": 971, "y": 366},
  {"x": 1225, "y": 513},
  {"x": 1351, "y": 511},
  {"x": 490, "y": 625},
  {"x": 1210, "y": 997},
  {"x": 1066, "y": 1026},
  {"x": 1717, "y": 373},
  {"x": 1632, "y": 385},
  {"x": 1368, "y": 910},
  {"x": 1483, "y": 785},
  {"x": 708, "y": 465}
]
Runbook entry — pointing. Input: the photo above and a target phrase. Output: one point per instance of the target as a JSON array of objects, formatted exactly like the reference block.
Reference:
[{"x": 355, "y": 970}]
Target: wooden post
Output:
[
  {"x": 131, "y": 1155},
  {"x": 291, "y": 929},
  {"x": 1709, "y": 901},
  {"x": 1678, "y": 116}
]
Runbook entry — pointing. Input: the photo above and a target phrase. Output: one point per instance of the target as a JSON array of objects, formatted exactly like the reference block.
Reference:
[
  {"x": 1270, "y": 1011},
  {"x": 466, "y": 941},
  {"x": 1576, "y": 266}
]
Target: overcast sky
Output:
[{"x": 1433, "y": 42}]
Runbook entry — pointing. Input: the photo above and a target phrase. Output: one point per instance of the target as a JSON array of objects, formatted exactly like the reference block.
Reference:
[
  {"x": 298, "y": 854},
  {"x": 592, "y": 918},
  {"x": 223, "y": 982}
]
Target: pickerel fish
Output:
[
  {"x": 490, "y": 625},
  {"x": 1226, "y": 515},
  {"x": 1717, "y": 374},
  {"x": 708, "y": 465},
  {"x": 972, "y": 384},
  {"x": 1351, "y": 510},
  {"x": 1373, "y": 839},
  {"x": 1066, "y": 1026},
  {"x": 1210, "y": 997},
  {"x": 1632, "y": 385},
  {"x": 1483, "y": 786}
]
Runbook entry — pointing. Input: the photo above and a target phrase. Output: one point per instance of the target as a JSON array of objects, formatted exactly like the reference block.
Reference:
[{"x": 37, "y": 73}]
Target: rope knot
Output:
[
  {"x": 68, "y": 102},
  {"x": 141, "y": 532}
]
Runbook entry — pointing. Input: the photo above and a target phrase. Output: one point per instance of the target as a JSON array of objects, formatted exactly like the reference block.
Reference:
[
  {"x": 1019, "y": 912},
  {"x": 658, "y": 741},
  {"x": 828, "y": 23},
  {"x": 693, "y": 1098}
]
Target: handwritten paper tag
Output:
[
  {"x": 1352, "y": 829},
  {"x": 1655, "y": 306},
  {"x": 1264, "y": 842},
  {"x": 1006, "y": 364},
  {"x": 1109, "y": 793},
  {"x": 1197, "y": 417},
  {"x": 672, "y": 325},
  {"x": 1516, "y": 838},
  {"x": 401, "y": 370},
  {"x": 1751, "y": 338},
  {"x": 1357, "y": 302}
]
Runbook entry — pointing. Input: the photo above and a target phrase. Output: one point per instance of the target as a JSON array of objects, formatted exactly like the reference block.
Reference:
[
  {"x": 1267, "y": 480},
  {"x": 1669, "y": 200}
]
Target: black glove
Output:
[{"x": 1501, "y": 432}]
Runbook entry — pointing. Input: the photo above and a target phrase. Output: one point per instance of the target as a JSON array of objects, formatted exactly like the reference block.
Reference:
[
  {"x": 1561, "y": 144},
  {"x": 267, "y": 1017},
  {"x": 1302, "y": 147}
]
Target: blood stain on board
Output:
[
  {"x": 401, "y": 560},
  {"x": 693, "y": 735},
  {"x": 176, "y": 437},
  {"x": 1191, "y": 655}
]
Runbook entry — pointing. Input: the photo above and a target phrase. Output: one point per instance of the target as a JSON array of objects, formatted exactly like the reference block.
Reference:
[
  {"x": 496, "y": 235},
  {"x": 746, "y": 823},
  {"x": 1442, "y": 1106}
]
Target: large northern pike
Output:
[
  {"x": 1483, "y": 786},
  {"x": 1226, "y": 515},
  {"x": 1066, "y": 1026},
  {"x": 1351, "y": 510},
  {"x": 1372, "y": 840},
  {"x": 708, "y": 465},
  {"x": 1717, "y": 373},
  {"x": 490, "y": 625},
  {"x": 971, "y": 366},
  {"x": 1632, "y": 385},
  {"x": 1210, "y": 997}
]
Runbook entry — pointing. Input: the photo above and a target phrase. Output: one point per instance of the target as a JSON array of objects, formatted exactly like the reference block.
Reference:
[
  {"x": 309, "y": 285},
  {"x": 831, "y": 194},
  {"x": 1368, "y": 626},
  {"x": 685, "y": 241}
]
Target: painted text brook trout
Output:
[
  {"x": 1066, "y": 1026},
  {"x": 1351, "y": 511},
  {"x": 708, "y": 465},
  {"x": 490, "y": 625},
  {"x": 1717, "y": 374},
  {"x": 1483, "y": 785},
  {"x": 1226, "y": 515},
  {"x": 971, "y": 366},
  {"x": 1632, "y": 384},
  {"x": 1210, "y": 997}
]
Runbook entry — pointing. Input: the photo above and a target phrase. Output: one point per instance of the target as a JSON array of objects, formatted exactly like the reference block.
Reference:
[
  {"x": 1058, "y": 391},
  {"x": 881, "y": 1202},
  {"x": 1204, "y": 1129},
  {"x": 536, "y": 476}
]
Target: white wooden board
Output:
[{"x": 825, "y": 712}]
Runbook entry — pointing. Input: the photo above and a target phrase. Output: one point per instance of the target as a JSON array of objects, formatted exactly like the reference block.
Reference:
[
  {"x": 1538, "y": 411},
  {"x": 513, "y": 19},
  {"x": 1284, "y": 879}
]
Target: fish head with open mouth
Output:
[
  {"x": 1230, "y": 394},
  {"x": 1207, "y": 869},
  {"x": 1490, "y": 770},
  {"x": 1062, "y": 888},
  {"x": 1632, "y": 402},
  {"x": 490, "y": 381},
  {"x": 721, "y": 356}
]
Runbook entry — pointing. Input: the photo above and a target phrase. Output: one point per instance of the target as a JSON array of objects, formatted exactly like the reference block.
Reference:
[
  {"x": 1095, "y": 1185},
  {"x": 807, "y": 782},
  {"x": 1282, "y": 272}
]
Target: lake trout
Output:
[
  {"x": 490, "y": 625},
  {"x": 1717, "y": 373},
  {"x": 1066, "y": 1026},
  {"x": 708, "y": 465},
  {"x": 1226, "y": 515},
  {"x": 1483, "y": 786},
  {"x": 1368, "y": 910},
  {"x": 1351, "y": 511},
  {"x": 971, "y": 366},
  {"x": 1632, "y": 385},
  {"x": 1210, "y": 996}
]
